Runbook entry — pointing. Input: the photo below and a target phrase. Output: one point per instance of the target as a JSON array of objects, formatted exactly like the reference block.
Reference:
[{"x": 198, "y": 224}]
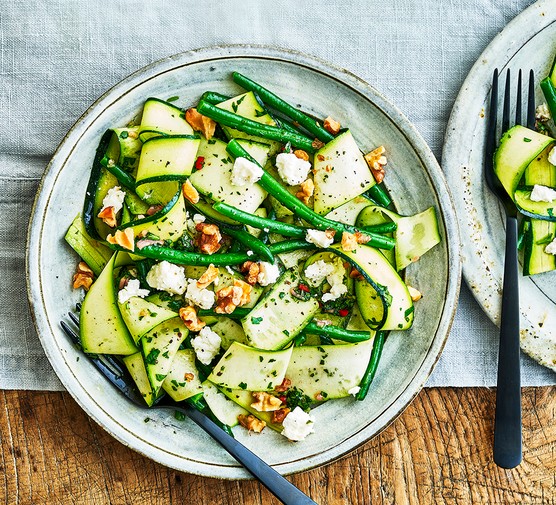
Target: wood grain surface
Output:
[{"x": 438, "y": 451}]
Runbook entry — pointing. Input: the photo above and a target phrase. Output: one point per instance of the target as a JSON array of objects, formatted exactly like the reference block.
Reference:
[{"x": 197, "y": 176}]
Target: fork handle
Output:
[
  {"x": 274, "y": 482},
  {"x": 507, "y": 423}
]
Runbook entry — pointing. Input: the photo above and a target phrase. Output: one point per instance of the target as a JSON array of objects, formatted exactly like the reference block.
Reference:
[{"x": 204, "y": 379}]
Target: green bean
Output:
[
  {"x": 214, "y": 97},
  {"x": 337, "y": 332},
  {"x": 263, "y": 223},
  {"x": 289, "y": 201},
  {"x": 379, "y": 195},
  {"x": 163, "y": 253},
  {"x": 312, "y": 126},
  {"x": 198, "y": 402},
  {"x": 523, "y": 231},
  {"x": 123, "y": 177},
  {"x": 370, "y": 372},
  {"x": 253, "y": 128},
  {"x": 238, "y": 313},
  {"x": 549, "y": 91},
  {"x": 252, "y": 243},
  {"x": 381, "y": 228}
]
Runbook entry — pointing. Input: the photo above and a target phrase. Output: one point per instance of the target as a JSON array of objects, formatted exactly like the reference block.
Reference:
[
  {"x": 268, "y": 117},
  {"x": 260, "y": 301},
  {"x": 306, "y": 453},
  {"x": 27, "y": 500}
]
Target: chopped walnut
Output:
[
  {"x": 349, "y": 241},
  {"x": 331, "y": 126},
  {"x": 320, "y": 157},
  {"x": 208, "y": 240},
  {"x": 265, "y": 402},
  {"x": 319, "y": 397},
  {"x": 301, "y": 154},
  {"x": 123, "y": 282},
  {"x": 284, "y": 386},
  {"x": 251, "y": 271},
  {"x": 306, "y": 192},
  {"x": 209, "y": 276},
  {"x": 153, "y": 209},
  {"x": 108, "y": 216},
  {"x": 189, "y": 192},
  {"x": 188, "y": 377},
  {"x": 251, "y": 422},
  {"x": 361, "y": 237},
  {"x": 190, "y": 320},
  {"x": 356, "y": 274},
  {"x": 317, "y": 144},
  {"x": 123, "y": 238},
  {"x": 200, "y": 123},
  {"x": 227, "y": 299},
  {"x": 279, "y": 415},
  {"x": 376, "y": 161},
  {"x": 83, "y": 276},
  {"x": 415, "y": 294}
]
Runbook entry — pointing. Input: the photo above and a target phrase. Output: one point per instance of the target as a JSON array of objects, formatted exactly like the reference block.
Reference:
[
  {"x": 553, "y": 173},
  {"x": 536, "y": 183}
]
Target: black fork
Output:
[
  {"x": 507, "y": 423},
  {"x": 117, "y": 374}
]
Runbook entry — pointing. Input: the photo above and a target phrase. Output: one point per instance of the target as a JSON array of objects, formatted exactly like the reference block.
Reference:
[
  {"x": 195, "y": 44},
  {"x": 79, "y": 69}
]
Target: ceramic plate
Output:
[
  {"x": 413, "y": 177},
  {"x": 529, "y": 41}
]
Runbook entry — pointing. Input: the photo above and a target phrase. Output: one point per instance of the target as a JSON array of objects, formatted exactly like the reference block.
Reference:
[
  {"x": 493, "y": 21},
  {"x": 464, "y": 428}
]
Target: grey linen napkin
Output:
[{"x": 57, "y": 57}]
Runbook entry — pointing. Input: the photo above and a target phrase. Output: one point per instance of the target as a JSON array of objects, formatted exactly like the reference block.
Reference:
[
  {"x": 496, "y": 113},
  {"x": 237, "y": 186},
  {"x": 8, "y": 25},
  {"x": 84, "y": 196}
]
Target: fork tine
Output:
[
  {"x": 492, "y": 120},
  {"x": 74, "y": 318},
  {"x": 531, "y": 102},
  {"x": 506, "y": 109},
  {"x": 518, "y": 106}
]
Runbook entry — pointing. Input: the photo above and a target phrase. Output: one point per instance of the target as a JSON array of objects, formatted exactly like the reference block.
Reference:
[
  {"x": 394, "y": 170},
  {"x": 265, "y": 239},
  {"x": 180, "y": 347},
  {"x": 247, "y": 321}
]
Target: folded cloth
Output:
[{"x": 57, "y": 57}]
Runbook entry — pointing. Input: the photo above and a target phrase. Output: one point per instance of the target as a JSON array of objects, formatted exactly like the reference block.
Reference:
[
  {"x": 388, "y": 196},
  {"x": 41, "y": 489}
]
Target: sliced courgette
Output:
[
  {"x": 243, "y": 367},
  {"x": 225, "y": 410},
  {"x": 136, "y": 368},
  {"x": 101, "y": 327},
  {"x": 163, "y": 116},
  {"x": 341, "y": 173},
  {"x": 279, "y": 316},
  {"x": 182, "y": 381}
]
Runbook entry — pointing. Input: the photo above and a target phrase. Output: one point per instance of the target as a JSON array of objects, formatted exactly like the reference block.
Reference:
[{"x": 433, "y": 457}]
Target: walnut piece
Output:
[
  {"x": 356, "y": 274},
  {"x": 376, "y": 161},
  {"x": 349, "y": 241},
  {"x": 415, "y": 294},
  {"x": 189, "y": 192},
  {"x": 189, "y": 317},
  {"x": 209, "y": 276},
  {"x": 188, "y": 376},
  {"x": 279, "y": 415},
  {"x": 153, "y": 209},
  {"x": 123, "y": 238},
  {"x": 208, "y": 239},
  {"x": 301, "y": 154},
  {"x": 317, "y": 144},
  {"x": 251, "y": 422},
  {"x": 83, "y": 277},
  {"x": 306, "y": 191},
  {"x": 265, "y": 402},
  {"x": 200, "y": 123},
  {"x": 108, "y": 216},
  {"x": 227, "y": 299},
  {"x": 284, "y": 386},
  {"x": 251, "y": 271},
  {"x": 331, "y": 126}
]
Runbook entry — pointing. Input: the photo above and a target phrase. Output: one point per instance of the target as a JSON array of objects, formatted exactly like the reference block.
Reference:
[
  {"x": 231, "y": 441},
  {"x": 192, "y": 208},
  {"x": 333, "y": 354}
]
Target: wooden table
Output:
[{"x": 438, "y": 451}]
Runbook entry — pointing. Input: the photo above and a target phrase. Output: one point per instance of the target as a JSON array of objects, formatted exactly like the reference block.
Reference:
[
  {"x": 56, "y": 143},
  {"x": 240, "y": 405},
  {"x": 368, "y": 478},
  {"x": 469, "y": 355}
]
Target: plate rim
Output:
[
  {"x": 502, "y": 49},
  {"x": 346, "y": 78}
]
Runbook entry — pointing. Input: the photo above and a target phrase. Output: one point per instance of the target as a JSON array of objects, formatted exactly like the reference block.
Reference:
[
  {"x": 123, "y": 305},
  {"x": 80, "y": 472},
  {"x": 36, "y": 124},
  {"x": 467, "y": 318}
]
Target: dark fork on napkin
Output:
[
  {"x": 116, "y": 373},
  {"x": 507, "y": 424}
]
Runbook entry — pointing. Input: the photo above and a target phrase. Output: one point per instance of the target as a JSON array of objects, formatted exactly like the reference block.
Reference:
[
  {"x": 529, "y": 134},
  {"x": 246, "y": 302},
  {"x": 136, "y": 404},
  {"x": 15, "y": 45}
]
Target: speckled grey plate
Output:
[
  {"x": 529, "y": 41},
  {"x": 414, "y": 177}
]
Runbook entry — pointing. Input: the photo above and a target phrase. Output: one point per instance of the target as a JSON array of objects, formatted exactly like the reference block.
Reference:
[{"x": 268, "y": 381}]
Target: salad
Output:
[
  {"x": 525, "y": 163},
  {"x": 244, "y": 256}
]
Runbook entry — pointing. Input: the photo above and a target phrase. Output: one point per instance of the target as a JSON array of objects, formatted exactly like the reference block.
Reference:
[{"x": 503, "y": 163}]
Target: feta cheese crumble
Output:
[
  {"x": 336, "y": 281},
  {"x": 206, "y": 345},
  {"x": 245, "y": 172},
  {"x": 204, "y": 298},
  {"x": 268, "y": 273},
  {"x": 354, "y": 390},
  {"x": 542, "y": 113},
  {"x": 114, "y": 198},
  {"x": 291, "y": 169},
  {"x": 297, "y": 425},
  {"x": 317, "y": 272},
  {"x": 552, "y": 156},
  {"x": 551, "y": 248},
  {"x": 319, "y": 238},
  {"x": 132, "y": 288},
  {"x": 198, "y": 218},
  {"x": 542, "y": 193},
  {"x": 167, "y": 277}
]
